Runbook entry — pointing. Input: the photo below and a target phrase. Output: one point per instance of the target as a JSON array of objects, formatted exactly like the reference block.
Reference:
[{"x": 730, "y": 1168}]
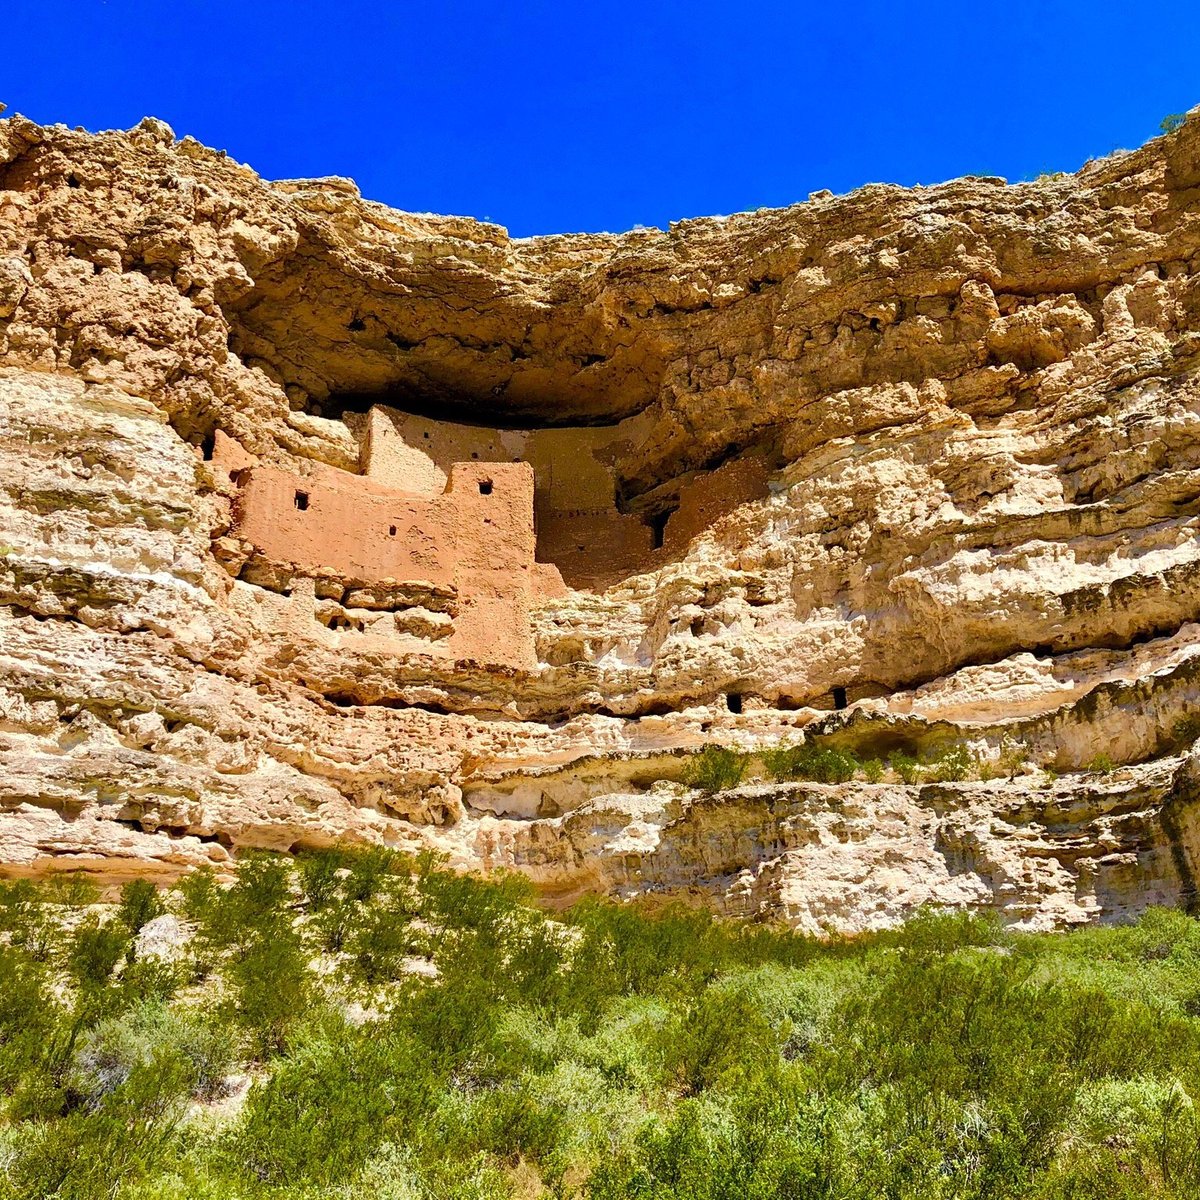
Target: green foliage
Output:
[
  {"x": 27, "y": 920},
  {"x": 94, "y": 951},
  {"x": 811, "y": 760},
  {"x": 140, "y": 902},
  {"x": 645, "y": 1050},
  {"x": 1102, "y": 764},
  {"x": 325, "y": 1106},
  {"x": 906, "y": 768},
  {"x": 1172, "y": 122},
  {"x": 200, "y": 1052},
  {"x": 72, "y": 890},
  {"x": 715, "y": 769},
  {"x": 1013, "y": 755},
  {"x": 872, "y": 769},
  {"x": 952, "y": 765}
]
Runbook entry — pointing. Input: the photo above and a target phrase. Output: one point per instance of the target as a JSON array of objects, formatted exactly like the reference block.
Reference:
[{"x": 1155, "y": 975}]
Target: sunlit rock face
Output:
[{"x": 321, "y": 520}]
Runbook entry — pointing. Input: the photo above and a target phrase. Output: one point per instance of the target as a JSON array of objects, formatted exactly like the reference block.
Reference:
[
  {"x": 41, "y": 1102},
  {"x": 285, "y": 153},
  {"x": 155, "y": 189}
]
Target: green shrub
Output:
[
  {"x": 906, "y": 767},
  {"x": 1102, "y": 764},
  {"x": 952, "y": 765},
  {"x": 140, "y": 902},
  {"x": 321, "y": 873},
  {"x": 380, "y": 941},
  {"x": 644, "y": 1049},
  {"x": 715, "y": 769},
  {"x": 327, "y": 1103},
  {"x": 271, "y": 989},
  {"x": 1172, "y": 122},
  {"x": 1013, "y": 755},
  {"x": 198, "y": 1051},
  {"x": 872, "y": 769},
  {"x": 810, "y": 760},
  {"x": 27, "y": 920},
  {"x": 71, "y": 889},
  {"x": 95, "y": 950}
]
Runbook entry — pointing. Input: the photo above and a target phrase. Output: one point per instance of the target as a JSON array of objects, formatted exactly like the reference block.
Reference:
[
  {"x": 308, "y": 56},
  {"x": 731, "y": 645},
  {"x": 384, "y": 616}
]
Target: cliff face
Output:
[{"x": 913, "y": 468}]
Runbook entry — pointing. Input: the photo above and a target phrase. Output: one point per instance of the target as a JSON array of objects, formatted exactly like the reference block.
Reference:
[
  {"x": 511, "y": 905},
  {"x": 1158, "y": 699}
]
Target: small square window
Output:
[
  {"x": 302, "y": 500},
  {"x": 485, "y": 487},
  {"x": 391, "y": 531}
]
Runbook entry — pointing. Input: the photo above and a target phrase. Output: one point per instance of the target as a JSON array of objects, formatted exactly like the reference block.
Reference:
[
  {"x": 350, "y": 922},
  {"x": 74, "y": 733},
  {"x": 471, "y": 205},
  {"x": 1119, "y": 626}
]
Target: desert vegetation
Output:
[
  {"x": 346, "y": 1025},
  {"x": 819, "y": 760}
]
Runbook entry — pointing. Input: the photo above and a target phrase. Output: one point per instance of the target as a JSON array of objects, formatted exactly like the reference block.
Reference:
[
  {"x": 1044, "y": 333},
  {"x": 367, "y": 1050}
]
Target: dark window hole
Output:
[
  {"x": 301, "y": 501},
  {"x": 357, "y": 325},
  {"x": 485, "y": 487},
  {"x": 391, "y": 531},
  {"x": 207, "y": 444},
  {"x": 658, "y": 527},
  {"x": 733, "y": 701},
  {"x": 839, "y": 697}
]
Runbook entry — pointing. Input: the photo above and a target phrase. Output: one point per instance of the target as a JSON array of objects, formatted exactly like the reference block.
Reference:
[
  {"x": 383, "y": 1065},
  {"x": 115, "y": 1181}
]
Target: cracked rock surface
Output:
[{"x": 982, "y": 401}]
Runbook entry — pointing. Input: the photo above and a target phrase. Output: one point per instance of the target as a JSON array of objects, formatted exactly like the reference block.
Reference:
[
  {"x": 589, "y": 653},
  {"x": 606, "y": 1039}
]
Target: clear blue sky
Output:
[{"x": 592, "y": 114}]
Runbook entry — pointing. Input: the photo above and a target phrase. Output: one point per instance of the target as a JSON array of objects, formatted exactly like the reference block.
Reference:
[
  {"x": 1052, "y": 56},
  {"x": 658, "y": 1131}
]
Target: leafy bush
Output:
[
  {"x": 140, "y": 903},
  {"x": 906, "y": 767},
  {"x": 811, "y": 760},
  {"x": 199, "y": 1051},
  {"x": 94, "y": 951},
  {"x": 1172, "y": 122},
  {"x": 872, "y": 769},
  {"x": 715, "y": 769},
  {"x": 646, "y": 1049},
  {"x": 1012, "y": 758},
  {"x": 328, "y": 1102},
  {"x": 952, "y": 765}
]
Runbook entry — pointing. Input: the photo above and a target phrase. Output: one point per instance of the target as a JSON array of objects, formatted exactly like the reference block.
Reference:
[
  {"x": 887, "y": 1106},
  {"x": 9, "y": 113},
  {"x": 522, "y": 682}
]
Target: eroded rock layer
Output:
[{"x": 322, "y": 520}]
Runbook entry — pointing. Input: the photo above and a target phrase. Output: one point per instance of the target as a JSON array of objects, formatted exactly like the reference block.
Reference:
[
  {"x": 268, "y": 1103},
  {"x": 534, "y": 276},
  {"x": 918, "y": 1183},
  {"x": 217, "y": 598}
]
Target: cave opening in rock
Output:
[
  {"x": 839, "y": 697},
  {"x": 733, "y": 701},
  {"x": 658, "y": 527},
  {"x": 488, "y": 410}
]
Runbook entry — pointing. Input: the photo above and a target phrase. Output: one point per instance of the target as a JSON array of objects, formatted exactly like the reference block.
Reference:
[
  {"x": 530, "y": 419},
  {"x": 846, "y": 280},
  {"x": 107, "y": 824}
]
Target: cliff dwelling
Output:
[{"x": 450, "y": 532}]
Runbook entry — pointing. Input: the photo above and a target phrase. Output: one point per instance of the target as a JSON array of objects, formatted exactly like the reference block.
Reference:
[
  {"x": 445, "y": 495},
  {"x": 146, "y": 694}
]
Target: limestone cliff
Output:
[{"x": 913, "y": 467}]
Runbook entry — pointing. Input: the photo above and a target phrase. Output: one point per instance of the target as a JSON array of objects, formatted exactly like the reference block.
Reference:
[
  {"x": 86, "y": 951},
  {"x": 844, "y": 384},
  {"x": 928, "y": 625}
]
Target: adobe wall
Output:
[
  {"x": 475, "y": 537},
  {"x": 443, "y": 504},
  {"x": 707, "y": 497},
  {"x": 579, "y": 529}
]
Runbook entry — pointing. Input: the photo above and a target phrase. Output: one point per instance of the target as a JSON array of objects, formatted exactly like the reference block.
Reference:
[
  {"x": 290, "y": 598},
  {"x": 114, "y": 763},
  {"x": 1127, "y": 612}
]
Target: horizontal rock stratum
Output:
[{"x": 322, "y": 520}]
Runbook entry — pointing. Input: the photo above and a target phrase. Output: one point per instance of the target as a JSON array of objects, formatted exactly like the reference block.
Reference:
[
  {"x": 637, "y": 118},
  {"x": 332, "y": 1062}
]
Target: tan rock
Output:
[{"x": 320, "y": 520}]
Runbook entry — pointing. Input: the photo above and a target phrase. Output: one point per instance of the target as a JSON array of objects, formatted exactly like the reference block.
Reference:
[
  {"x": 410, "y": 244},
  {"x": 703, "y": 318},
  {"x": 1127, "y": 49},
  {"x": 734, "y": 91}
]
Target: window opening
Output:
[{"x": 658, "y": 527}]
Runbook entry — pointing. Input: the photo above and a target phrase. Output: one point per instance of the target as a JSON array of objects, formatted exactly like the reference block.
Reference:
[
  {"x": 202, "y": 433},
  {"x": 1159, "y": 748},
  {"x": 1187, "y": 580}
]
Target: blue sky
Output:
[{"x": 576, "y": 115}]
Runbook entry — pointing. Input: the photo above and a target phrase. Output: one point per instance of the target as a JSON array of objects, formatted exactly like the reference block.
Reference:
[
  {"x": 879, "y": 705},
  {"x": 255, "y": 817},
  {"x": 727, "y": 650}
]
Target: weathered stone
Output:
[{"x": 320, "y": 520}]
